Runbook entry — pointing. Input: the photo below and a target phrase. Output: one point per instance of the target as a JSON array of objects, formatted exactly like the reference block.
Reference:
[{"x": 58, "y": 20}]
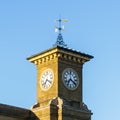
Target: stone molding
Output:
[
  {"x": 62, "y": 56},
  {"x": 59, "y": 52}
]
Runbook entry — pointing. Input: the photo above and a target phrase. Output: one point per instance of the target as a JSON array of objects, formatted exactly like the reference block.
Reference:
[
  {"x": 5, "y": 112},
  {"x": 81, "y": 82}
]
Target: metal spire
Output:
[{"x": 60, "y": 41}]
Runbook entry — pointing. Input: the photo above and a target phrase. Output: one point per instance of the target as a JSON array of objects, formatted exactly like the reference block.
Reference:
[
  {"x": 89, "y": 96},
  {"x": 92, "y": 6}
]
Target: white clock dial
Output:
[
  {"x": 47, "y": 79},
  {"x": 70, "y": 78}
]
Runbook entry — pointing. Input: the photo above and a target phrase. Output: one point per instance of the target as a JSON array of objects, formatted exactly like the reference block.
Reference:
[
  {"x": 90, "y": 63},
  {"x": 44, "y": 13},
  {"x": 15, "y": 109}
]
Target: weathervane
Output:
[{"x": 60, "y": 41}]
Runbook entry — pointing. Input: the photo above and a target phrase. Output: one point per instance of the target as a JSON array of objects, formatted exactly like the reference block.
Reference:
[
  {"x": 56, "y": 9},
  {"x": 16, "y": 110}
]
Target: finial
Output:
[{"x": 60, "y": 41}]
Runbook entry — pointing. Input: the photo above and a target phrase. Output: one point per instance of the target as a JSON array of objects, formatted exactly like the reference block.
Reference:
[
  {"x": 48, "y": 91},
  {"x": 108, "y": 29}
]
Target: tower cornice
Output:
[{"x": 60, "y": 52}]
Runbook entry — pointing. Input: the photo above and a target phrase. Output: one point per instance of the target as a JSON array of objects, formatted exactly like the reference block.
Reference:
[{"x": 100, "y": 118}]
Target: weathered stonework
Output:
[{"x": 59, "y": 103}]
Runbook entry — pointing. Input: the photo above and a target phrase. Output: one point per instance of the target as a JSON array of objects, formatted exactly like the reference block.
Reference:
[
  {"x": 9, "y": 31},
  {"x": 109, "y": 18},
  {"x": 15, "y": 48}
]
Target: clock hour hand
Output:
[
  {"x": 45, "y": 82},
  {"x": 67, "y": 81},
  {"x": 48, "y": 81}
]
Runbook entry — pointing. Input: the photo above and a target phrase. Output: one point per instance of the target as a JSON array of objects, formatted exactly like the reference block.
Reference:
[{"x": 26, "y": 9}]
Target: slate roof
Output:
[{"x": 16, "y": 112}]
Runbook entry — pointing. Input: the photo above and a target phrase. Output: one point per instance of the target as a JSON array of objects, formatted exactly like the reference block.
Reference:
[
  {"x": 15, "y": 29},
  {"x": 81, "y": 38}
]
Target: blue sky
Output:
[{"x": 27, "y": 27}]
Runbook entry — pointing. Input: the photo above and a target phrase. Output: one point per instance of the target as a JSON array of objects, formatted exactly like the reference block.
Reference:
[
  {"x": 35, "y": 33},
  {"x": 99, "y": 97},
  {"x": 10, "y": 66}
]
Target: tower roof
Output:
[{"x": 60, "y": 49}]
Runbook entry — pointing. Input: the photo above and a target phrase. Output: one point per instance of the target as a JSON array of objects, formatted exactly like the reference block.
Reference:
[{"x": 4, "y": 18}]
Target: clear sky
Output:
[{"x": 27, "y": 27}]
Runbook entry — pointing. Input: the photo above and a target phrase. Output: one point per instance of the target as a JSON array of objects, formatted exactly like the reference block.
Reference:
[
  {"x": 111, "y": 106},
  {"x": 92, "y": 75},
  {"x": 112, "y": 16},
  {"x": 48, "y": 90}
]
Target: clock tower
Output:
[{"x": 59, "y": 82}]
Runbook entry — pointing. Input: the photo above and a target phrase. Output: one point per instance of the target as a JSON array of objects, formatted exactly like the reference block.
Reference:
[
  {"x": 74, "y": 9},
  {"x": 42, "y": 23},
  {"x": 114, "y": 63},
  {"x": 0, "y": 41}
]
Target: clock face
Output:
[
  {"x": 70, "y": 78},
  {"x": 47, "y": 79}
]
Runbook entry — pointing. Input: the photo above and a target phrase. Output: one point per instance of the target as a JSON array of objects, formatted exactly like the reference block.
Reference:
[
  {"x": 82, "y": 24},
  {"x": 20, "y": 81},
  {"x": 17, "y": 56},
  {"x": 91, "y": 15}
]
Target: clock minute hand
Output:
[{"x": 73, "y": 82}]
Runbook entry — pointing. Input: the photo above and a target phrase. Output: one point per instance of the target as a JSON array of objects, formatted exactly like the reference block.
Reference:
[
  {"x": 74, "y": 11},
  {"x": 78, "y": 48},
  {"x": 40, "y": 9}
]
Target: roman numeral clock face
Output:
[
  {"x": 70, "y": 78},
  {"x": 46, "y": 80}
]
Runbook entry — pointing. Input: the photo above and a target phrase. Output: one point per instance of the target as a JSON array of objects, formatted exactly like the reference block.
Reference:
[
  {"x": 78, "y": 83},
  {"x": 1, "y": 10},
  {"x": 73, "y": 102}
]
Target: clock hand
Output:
[
  {"x": 73, "y": 82},
  {"x": 45, "y": 81},
  {"x": 67, "y": 81},
  {"x": 43, "y": 84},
  {"x": 48, "y": 81},
  {"x": 70, "y": 76}
]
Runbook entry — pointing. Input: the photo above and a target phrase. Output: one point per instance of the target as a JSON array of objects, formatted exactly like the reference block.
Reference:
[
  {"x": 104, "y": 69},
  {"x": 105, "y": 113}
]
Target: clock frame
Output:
[
  {"x": 70, "y": 78},
  {"x": 46, "y": 79}
]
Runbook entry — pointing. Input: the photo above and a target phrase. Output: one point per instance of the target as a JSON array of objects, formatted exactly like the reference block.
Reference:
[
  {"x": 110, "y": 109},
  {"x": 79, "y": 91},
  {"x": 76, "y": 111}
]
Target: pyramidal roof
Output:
[{"x": 60, "y": 44}]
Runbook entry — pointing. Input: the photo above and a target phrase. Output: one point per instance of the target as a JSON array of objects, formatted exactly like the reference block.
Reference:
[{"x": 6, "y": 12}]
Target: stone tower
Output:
[{"x": 59, "y": 83}]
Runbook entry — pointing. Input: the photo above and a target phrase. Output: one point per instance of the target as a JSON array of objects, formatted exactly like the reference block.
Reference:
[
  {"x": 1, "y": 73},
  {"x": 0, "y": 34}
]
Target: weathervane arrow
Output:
[{"x": 60, "y": 41}]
